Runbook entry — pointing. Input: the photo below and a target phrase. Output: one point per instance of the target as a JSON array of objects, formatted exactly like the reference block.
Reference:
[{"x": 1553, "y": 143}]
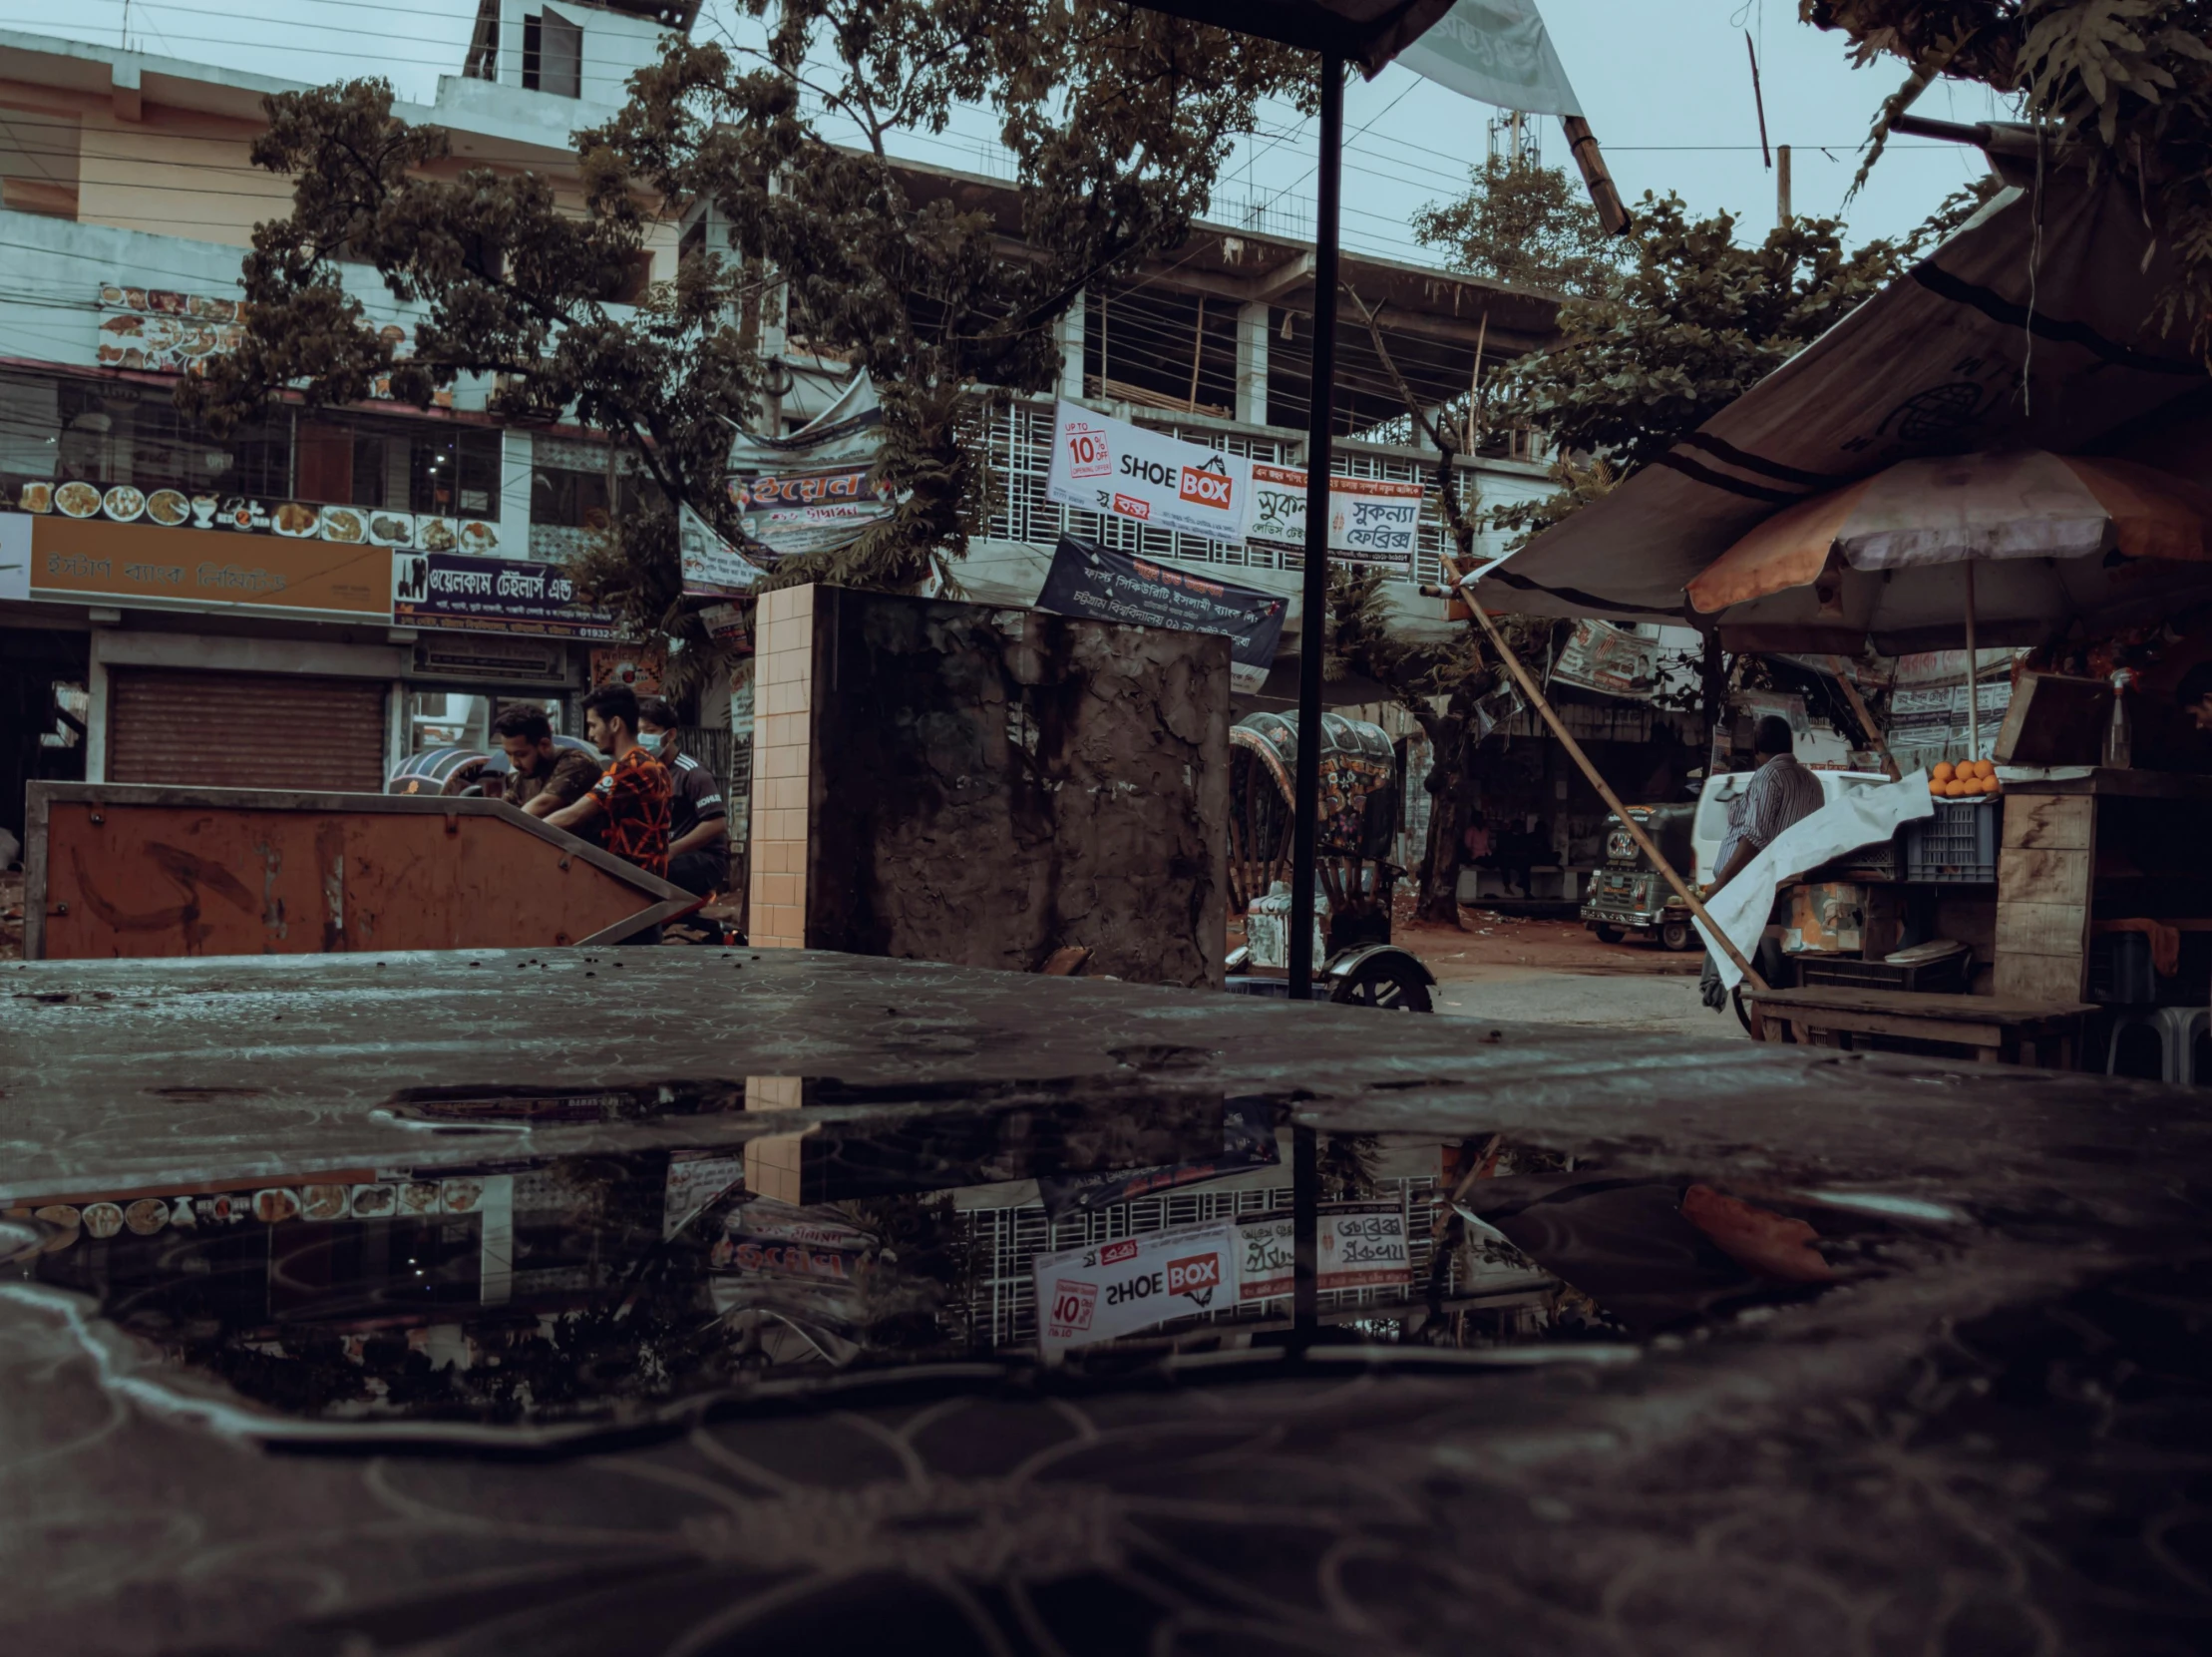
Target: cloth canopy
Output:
[{"x": 1989, "y": 343}]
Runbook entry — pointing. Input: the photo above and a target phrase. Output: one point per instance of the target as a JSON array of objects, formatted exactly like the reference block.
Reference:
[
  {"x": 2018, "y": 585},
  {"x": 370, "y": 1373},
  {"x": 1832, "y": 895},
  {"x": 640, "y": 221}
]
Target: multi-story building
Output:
[{"x": 177, "y": 606}]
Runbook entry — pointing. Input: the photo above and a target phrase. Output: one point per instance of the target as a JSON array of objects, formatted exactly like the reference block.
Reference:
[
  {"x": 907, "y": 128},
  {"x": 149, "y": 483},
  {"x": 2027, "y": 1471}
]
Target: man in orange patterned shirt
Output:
[{"x": 631, "y": 800}]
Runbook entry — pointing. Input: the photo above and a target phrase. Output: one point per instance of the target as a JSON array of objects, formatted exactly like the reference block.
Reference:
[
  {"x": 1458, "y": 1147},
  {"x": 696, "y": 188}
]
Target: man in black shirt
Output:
[{"x": 699, "y": 821}]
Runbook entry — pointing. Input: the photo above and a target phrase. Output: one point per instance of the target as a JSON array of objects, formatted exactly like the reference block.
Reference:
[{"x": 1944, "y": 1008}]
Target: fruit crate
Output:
[{"x": 1958, "y": 845}]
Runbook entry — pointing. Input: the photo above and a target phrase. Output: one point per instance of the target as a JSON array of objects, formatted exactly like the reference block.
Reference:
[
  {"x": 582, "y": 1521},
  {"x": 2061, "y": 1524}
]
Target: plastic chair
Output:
[{"x": 2178, "y": 1033}]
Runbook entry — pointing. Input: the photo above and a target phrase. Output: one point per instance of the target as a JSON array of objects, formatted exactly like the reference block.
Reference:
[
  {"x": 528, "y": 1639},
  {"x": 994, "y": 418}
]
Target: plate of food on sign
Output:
[
  {"x": 124, "y": 503},
  {"x": 296, "y": 519},
  {"x": 78, "y": 499},
  {"x": 391, "y": 528},
  {"x": 168, "y": 507},
  {"x": 343, "y": 524}
]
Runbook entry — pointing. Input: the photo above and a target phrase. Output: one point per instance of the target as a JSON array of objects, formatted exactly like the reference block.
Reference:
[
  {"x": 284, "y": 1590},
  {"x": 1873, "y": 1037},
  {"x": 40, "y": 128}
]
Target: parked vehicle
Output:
[
  {"x": 1630, "y": 899},
  {"x": 1629, "y": 896}
]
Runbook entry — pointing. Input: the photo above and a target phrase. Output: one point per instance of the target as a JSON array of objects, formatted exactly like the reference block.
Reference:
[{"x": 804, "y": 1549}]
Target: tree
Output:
[
  {"x": 2124, "y": 83},
  {"x": 1698, "y": 319},
  {"x": 1525, "y": 223},
  {"x": 1117, "y": 119}
]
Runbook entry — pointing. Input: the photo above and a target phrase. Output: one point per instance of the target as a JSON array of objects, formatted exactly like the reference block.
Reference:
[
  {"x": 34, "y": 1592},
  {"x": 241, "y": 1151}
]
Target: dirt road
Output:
[{"x": 1555, "y": 972}]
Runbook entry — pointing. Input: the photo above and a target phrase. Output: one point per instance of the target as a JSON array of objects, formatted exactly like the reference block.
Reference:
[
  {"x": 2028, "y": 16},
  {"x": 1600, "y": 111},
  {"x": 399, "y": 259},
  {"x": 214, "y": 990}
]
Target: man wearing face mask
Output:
[{"x": 699, "y": 821}]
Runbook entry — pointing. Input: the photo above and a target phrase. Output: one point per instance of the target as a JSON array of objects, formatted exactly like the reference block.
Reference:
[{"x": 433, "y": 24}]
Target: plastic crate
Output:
[
  {"x": 1950, "y": 974},
  {"x": 1956, "y": 846}
]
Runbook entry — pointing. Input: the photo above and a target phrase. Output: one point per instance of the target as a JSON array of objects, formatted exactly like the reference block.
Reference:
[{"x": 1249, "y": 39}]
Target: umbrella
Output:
[{"x": 2021, "y": 546}]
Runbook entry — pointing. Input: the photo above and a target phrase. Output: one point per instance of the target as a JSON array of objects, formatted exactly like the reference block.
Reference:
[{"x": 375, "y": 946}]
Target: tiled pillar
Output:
[
  {"x": 783, "y": 701},
  {"x": 773, "y": 1164}
]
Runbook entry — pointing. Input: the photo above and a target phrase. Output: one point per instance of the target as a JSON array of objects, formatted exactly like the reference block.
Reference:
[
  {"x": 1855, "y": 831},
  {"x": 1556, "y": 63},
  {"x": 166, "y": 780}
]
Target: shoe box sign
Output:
[
  {"x": 1109, "y": 466},
  {"x": 1105, "y": 1290}
]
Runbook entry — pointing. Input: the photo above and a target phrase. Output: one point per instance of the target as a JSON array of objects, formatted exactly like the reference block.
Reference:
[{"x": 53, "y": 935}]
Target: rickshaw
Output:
[
  {"x": 1355, "y": 876},
  {"x": 457, "y": 770}
]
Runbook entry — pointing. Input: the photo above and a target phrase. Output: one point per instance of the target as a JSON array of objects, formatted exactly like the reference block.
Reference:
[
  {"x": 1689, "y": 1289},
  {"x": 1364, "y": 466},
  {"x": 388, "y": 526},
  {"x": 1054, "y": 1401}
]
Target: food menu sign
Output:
[
  {"x": 176, "y": 509},
  {"x": 490, "y": 595},
  {"x": 161, "y": 330},
  {"x": 165, "y": 331}
]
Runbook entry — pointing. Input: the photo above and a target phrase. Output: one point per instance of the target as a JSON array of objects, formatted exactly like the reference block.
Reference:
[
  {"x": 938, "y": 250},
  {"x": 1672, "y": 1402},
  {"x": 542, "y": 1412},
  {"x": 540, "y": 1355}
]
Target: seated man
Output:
[
  {"x": 545, "y": 777},
  {"x": 699, "y": 821}
]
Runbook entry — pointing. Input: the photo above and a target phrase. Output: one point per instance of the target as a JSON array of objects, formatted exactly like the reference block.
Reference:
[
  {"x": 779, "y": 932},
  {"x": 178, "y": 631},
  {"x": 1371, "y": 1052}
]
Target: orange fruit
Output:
[
  {"x": 1944, "y": 772},
  {"x": 1935, "y": 785},
  {"x": 1986, "y": 769},
  {"x": 1989, "y": 785}
]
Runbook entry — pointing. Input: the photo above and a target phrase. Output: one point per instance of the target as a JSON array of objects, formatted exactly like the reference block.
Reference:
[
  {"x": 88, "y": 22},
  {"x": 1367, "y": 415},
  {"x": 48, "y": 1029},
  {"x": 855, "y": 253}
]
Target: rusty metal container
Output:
[{"x": 148, "y": 869}]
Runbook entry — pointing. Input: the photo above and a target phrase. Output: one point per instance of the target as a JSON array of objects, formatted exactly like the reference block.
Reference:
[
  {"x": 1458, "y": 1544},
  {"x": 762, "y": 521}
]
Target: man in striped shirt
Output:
[
  {"x": 699, "y": 821},
  {"x": 1782, "y": 793}
]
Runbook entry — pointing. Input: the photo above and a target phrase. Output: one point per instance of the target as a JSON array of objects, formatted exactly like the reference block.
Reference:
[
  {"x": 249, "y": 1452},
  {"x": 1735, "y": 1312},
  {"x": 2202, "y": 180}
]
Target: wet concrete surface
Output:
[{"x": 1719, "y": 1348}]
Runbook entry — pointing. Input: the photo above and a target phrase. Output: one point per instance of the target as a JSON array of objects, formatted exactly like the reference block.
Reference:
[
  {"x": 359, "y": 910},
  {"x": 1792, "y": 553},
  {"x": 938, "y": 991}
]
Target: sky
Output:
[{"x": 1664, "y": 84}]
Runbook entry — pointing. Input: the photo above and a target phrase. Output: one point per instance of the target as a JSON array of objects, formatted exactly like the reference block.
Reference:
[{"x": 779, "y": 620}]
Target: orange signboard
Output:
[{"x": 208, "y": 570}]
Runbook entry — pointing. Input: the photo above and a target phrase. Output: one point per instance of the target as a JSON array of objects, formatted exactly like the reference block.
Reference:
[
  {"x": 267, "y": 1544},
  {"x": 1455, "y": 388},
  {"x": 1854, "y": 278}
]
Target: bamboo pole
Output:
[
  {"x": 1644, "y": 841},
  {"x": 1866, "y": 720},
  {"x": 1974, "y": 689}
]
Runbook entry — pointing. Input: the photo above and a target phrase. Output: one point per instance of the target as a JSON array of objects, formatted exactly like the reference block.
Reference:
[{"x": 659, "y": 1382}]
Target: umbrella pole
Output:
[
  {"x": 1605, "y": 792},
  {"x": 1974, "y": 689},
  {"x": 1305, "y": 805}
]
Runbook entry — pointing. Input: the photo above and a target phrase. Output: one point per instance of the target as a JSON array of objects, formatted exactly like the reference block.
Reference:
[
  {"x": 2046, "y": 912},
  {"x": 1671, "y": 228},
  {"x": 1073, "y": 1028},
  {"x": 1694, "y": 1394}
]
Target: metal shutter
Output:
[{"x": 246, "y": 730}]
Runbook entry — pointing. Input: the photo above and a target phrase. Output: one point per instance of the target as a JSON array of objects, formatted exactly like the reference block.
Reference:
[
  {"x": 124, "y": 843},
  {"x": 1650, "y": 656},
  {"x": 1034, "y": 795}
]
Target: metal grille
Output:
[{"x": 1007, "y": 1242}]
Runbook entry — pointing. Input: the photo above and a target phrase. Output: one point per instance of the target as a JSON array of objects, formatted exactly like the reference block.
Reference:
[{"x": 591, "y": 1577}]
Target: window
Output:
[
  {"x": 55, "y": 429},
  {"x": 553, "y": 55}
]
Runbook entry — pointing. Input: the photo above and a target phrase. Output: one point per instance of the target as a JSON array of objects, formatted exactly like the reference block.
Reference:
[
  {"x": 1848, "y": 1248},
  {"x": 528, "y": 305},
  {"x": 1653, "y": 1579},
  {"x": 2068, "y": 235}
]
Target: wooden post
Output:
[
  {"x": 1198, "y": 345},
  {"x": 1782, "y": 182},
  {"x": 1644, "y": 841}
]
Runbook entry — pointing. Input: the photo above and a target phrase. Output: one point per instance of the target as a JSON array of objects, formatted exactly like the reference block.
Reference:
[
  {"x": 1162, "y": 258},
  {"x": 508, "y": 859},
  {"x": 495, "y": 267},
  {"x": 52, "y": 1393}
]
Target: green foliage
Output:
[
  {"x": 2125, "y": 85},
  {"x": 1697, "y": 321},
  {"x": 1528, "y": 225},
  {"x": 1117, "y": 119}
]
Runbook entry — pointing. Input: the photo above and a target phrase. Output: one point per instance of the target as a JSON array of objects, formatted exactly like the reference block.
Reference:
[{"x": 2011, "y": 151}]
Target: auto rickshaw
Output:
[
  {"x": 1628, "y": 898},
  {"x": 1353, "y": 872}
]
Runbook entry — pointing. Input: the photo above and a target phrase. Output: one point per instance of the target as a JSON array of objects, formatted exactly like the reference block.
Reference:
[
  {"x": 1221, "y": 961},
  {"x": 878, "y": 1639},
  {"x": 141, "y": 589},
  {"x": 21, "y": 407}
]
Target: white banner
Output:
[
  {"x": 1108, "y": 466},
  {"x": 1370, "y": 520},
  {"x": 1495, "y": 52},
  {"x": 711, "y": 565},
  {"x": 1362, "y": 1245},
  {"x": 1106, "y": 1290},
  {"x": 1601, "y": 657}
]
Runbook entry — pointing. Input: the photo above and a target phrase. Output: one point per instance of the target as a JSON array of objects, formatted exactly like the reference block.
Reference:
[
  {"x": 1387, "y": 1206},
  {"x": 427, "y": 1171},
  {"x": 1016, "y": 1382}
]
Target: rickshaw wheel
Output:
[
  {"x": 1383, "y": 976},
  {"x": 1678, "y": 935}
]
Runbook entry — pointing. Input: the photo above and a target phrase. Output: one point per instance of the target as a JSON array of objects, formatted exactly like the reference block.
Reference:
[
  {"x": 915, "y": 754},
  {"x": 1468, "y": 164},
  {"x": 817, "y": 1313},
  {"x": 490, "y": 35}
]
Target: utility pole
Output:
[{"x": 1781, "y": 184}]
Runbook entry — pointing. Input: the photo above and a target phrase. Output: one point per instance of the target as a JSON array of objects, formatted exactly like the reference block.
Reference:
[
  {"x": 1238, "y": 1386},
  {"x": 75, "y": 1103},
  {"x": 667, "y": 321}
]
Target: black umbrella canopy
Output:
[{"x": 1368, "y": 33}]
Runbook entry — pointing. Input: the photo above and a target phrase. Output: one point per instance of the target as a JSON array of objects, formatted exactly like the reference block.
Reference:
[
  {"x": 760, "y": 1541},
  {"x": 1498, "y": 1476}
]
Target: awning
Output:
[{"x": 1989, "y": 343}]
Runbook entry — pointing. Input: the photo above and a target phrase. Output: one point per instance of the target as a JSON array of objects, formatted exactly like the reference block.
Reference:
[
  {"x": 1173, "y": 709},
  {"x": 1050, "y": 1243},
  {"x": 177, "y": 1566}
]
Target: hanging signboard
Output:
[
  {"x": 1109, "y": 466},
  {"x": 1601, "y": 657},
  {"x": 815, "y": 490},
  {"x": 712, "y": 568},
  {"x": 1363, "y": 1245},
  {"x": 490, "y": 595},
  {"x": 1370, "y": 520},
  {"x": 1106, "y": 1290},
  {"x": 1113, "y": 586}
]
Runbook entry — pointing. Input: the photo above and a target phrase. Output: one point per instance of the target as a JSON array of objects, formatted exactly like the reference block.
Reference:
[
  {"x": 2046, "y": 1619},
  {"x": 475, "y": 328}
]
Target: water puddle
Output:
[{"x": 1015, "y": 1231}]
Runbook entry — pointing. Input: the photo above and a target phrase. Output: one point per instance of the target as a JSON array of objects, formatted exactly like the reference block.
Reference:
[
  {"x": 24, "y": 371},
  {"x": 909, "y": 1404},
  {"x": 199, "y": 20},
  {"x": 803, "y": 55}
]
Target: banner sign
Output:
[
  {"x": 1107, "y": 586},
  {"x": 1109, "y": 466},
  {"x": 490, "y": 595},
  {"x": 1600, "y": 656},
  {"x": 1363, "y": 1245},
  {"x": 1106, "y": 1290},
  {"x": 815, "y": 490},
  {"x": 1495, "y": 52},
  {"x": 1370, "y": 520},
  {"x": 712, "y": 568},
  {"x": 204, "y": 569}
]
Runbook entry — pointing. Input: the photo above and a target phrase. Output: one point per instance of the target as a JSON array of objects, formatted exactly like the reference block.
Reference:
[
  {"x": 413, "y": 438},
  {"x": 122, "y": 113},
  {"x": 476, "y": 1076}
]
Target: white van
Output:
[{"x": 1713, "y": 799}]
